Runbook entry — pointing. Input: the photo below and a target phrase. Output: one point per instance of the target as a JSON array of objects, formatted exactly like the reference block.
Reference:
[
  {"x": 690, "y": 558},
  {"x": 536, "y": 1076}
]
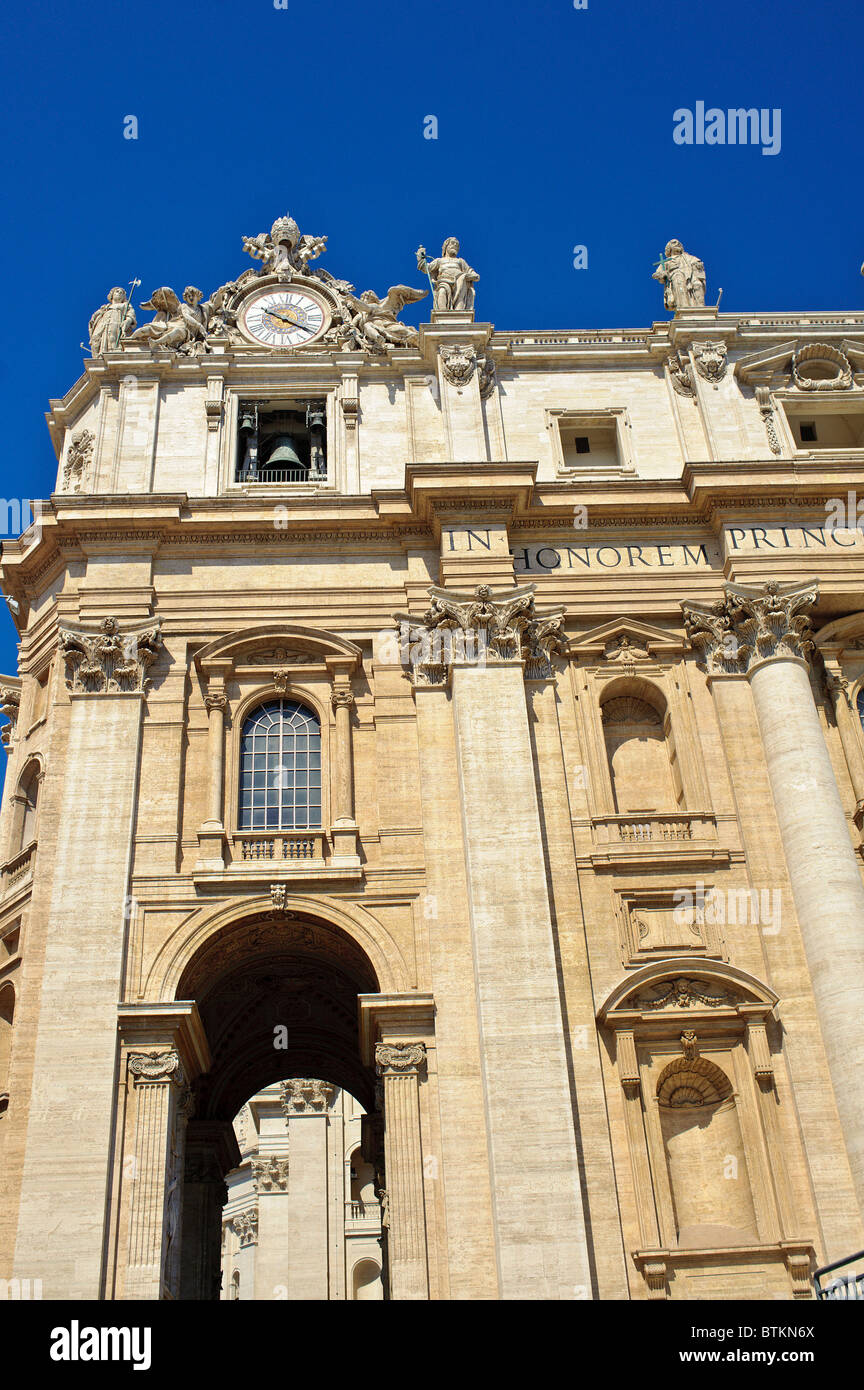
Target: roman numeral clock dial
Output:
[{"x": 284, "y": 318}]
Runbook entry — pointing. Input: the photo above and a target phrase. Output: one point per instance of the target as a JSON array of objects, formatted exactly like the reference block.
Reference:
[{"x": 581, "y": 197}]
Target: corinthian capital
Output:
[
  {"x": 105, "y": 661},
  {"x": 481, "y": 629},
  {"x": 750, "y": 625},
  {"x": 398, "y": 1059}
]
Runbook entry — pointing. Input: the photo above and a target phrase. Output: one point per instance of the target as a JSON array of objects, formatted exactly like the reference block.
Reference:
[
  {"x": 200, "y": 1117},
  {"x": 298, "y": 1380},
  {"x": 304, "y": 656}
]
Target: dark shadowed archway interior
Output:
[{"x": 277, "y": 995}]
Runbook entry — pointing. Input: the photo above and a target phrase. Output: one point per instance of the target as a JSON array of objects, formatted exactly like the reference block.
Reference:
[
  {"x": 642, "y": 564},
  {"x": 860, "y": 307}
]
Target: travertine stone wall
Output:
[
  {"x": 66, "y": 1167},
  {"x": 539, "y": 1223}
]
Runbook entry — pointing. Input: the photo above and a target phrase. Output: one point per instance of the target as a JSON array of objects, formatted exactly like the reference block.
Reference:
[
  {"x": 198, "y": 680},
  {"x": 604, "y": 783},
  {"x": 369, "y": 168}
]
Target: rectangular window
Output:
[{"x": 281, "y": 442}]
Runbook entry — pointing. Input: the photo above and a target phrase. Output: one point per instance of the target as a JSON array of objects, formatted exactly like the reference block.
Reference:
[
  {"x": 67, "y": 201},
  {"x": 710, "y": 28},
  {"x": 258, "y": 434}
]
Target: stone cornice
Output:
[{"x": 706, "y": 494}]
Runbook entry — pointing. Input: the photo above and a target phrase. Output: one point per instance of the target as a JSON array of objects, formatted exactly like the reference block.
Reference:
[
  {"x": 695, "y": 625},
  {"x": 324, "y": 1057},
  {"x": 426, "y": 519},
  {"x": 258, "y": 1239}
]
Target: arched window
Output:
[
  {"x": 860, "y": 703},
  {"x": 234, "y": 1288},
  {"x": 280, "y": 768},
  {"x": 25, "y": 803},
  {"x": 7, "y": 1015}
]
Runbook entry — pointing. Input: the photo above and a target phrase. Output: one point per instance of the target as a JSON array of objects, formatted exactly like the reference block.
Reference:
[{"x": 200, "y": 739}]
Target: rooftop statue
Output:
[
  {"x": 373, "y": 323},
  {"x": 451, "y": 277},
  {"x": 283, "y": 251},
  {"x": 682, "y": 277},
  {"x": 188, "y": 325},
  {"x": 111, "y": 323},
  {"x": 181, "y": 325}
]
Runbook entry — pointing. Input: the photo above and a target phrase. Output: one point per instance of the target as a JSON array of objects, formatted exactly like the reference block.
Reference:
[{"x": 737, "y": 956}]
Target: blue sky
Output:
[{"x": 554, "y": 130}]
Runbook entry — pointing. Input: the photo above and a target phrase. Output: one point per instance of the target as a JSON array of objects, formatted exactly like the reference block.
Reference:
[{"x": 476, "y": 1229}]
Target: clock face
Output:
[{"x": 283, "y": 318}]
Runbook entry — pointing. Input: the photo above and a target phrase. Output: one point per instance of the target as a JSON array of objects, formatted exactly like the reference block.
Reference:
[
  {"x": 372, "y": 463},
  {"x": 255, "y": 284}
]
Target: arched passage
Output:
[{"x": 277, "y": 996}]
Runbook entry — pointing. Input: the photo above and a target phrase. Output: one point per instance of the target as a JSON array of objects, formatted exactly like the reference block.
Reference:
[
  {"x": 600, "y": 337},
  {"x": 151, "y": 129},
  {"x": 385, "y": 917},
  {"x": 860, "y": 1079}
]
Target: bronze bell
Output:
[{"x": 283, "y": 453}]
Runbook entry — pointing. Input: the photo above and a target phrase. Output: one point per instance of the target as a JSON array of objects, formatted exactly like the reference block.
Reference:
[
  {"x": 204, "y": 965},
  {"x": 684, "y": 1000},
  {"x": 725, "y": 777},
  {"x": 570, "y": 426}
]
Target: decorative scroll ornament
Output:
[
  {"x": 457, "y": 363},
  {"x": 270, "y": 1174},
  {"x": 486, "y": 376},
  {"x": 766, "y": 410},
  {"x": 109, "y": 661},
  {"x": 305, "y": 1096},
  {"x": 482, "y": 629},
  {"x": 710, "y": 359},
  {"x": 156, "y": 1066},
  {"x": 10, "y": 704},
  {"x": 684, "y": 994},
  {"x": 751, "y": 625},
  {"x": 819, "y": 367},
  {"x": 397, "y": 1059},
  {"x": 78, "y": 459},
  {"x": 681, "y": 374},
  {"x": 245, "y": 1226}
]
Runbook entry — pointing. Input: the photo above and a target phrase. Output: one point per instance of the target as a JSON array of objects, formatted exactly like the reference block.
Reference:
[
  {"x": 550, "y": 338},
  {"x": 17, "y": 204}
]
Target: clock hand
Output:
[{"x": 292, "y": 322}]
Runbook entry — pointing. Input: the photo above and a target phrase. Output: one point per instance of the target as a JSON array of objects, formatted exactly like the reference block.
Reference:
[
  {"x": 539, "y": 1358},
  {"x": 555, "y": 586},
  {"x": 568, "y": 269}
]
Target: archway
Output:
[{"x": 277, "y": 996}]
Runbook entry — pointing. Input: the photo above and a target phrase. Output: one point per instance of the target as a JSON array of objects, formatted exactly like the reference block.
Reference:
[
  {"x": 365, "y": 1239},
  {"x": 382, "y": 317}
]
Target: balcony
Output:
[
  {"x": 255, "y": 847},
  {"x": 362, "y": 1218},
  {"x": 656, "y": 836},
  {"x": 18, "y": 871}
]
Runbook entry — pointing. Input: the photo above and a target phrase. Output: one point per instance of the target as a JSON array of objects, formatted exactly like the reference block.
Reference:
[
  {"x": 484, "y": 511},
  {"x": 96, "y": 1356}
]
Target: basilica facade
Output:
[{"x": 469, "y": 719}]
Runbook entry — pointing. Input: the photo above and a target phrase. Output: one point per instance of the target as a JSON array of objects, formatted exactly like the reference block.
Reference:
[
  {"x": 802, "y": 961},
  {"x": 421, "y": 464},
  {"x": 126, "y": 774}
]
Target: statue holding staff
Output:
[
  {"x": 451, "y": 277},
  {"x": 682, "y": 277}
]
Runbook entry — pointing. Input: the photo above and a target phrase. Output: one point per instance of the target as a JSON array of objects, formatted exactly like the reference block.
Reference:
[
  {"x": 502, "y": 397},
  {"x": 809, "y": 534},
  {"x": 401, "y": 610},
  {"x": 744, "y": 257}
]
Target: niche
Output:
[
  {"x": 643, "y": 767},
  {"x": 711, "y": 1194}
]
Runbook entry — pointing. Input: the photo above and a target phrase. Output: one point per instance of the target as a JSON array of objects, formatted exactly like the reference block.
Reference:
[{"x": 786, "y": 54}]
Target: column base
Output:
[
  {"x": 212, "y": 845},
  {"x": 343, "y": 837}
]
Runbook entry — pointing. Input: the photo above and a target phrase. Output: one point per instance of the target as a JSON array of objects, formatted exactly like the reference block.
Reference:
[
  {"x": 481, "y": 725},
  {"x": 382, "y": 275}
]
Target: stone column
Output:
[
  {"x": 764, "y": 633},
  {"x": 211, "y": 1151},
  {"x": 400, "y": 1065},
  {"x": 156, "y": 1206},
  {"x": 211, "y": 836},
  {"x": 216, "y": 707},
  {"x": 344, "y": 826},
  {"x": 846, "y": 719}
]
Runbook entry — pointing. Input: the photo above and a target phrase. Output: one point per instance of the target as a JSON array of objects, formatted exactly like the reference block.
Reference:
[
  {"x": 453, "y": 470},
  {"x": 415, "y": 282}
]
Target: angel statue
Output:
[
  {"x": 371, "y": 322},
  {"x": 682, "y": 277},
  {"x": 184, "y": 326},
  {"x": 111, "y": 322},
  {"x": 452, "y": 279},
  {"x": 283, "y": 251}
]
